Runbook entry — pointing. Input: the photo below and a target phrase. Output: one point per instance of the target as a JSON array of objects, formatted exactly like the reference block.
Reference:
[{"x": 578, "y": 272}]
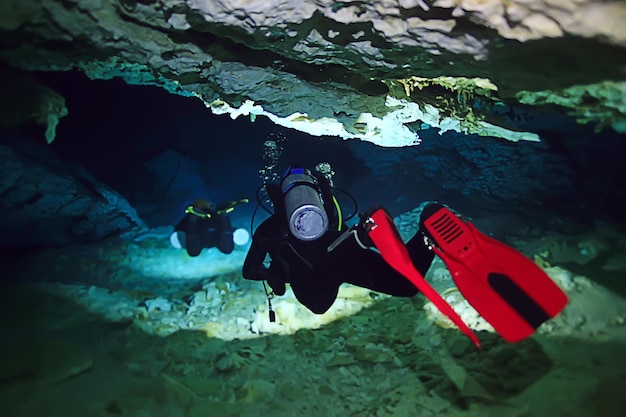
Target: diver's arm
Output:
[{"x": 253, "y": 266}]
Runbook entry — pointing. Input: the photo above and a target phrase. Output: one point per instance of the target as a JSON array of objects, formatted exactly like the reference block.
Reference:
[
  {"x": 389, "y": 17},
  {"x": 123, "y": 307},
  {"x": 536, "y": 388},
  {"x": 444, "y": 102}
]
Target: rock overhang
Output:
[{"x": 375, "y": 71}]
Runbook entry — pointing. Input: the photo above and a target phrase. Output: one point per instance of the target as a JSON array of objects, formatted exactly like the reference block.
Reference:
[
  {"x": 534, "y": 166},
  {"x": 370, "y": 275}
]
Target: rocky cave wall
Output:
[
  {"x": 387, "y": 72},
  {"x": 353, "y": 69}
]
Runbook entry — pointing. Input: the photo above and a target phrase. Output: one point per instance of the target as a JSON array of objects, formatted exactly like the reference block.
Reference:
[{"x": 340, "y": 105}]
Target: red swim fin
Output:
[
  {"x": 383, "y": 233},
  {"x": 507, "y": 289}
]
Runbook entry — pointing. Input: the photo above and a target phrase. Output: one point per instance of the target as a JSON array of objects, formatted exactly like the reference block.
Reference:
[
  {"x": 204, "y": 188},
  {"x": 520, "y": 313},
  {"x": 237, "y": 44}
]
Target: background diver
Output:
[
  {"x": 312, "y": 249},
  {"x": 205, "y": 226}
]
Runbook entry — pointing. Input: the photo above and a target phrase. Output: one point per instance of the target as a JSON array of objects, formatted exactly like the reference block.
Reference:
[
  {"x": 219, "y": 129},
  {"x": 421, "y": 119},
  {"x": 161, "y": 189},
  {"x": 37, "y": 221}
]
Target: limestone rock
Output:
[
  {"x": 324, "y": 67},
  {"x": 25, "y": 99},
  {"x": 45, "y": 201},
  {"x": 46, "y": 362}
]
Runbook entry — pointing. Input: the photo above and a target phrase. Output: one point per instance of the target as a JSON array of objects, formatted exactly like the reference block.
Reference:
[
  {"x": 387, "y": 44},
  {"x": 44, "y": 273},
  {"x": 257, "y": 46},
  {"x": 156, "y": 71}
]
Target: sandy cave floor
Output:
[{"x": 137, "y": 328}]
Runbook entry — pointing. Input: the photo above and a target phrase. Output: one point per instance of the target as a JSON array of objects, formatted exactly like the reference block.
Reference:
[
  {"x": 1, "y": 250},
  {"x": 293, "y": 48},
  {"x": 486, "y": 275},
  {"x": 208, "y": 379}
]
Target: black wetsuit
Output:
[
  {"x": 314, "y": 272},
  {"x": 206, "y": 232}
]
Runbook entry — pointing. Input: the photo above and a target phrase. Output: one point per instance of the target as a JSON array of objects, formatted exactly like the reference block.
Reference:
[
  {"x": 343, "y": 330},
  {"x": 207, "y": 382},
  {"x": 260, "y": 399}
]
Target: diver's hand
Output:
[{"x": 278, "y": 285}]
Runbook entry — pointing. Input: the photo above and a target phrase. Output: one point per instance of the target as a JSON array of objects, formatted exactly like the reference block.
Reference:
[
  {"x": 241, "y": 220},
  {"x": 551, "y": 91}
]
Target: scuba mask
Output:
[{"x": 306, "y": 215}]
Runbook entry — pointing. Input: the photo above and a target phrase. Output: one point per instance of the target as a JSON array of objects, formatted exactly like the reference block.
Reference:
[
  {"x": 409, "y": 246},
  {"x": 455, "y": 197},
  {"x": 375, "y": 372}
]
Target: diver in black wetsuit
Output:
[
  {"x": 312, "y": 249},
  {"x": 315, "y": 252},
  {"x": 205, "y": 226}
]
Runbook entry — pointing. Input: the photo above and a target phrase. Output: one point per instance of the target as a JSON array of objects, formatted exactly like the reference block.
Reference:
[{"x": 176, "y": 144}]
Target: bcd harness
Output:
[{"x": 228, "y": 208}]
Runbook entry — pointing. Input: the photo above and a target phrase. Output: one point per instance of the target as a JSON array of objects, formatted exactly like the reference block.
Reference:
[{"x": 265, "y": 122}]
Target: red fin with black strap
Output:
[
  {"x": 506, "y": 288},
  {"x": 383, "y": 233}
]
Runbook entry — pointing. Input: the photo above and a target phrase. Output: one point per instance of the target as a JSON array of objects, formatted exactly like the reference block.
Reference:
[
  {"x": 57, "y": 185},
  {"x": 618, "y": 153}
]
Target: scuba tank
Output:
[{"x": 306, "y": 215}]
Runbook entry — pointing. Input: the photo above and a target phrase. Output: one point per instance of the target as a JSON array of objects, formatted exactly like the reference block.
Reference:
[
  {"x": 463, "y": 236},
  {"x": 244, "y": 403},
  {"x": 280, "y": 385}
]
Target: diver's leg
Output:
[
  {"x": 194, "y": 241},
  {"x": 225, "y": 241},
  {"x": 369, "y": 270},
  {"x": 193, "y": 244},
  {"x": 366, "y": 268},
  {"x": 421, "y": 256}
]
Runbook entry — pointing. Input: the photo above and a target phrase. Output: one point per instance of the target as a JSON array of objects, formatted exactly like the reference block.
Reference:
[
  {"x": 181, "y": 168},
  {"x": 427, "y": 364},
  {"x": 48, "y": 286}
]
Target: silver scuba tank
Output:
[{"x": 305, "y": 211}]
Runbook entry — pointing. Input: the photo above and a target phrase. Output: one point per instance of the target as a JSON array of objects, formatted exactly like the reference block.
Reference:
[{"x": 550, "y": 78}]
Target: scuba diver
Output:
[
  {"x": 302, "y": 238},
  {"x": 205, "y": 226},
  {"x": 312, "y": 249}
]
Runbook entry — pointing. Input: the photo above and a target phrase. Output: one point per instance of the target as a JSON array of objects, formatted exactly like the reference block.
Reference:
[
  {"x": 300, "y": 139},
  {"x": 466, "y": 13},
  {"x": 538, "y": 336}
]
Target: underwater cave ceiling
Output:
[
  {"x": 374, "y": 70},
  {"x": 378, "y": 71}
]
